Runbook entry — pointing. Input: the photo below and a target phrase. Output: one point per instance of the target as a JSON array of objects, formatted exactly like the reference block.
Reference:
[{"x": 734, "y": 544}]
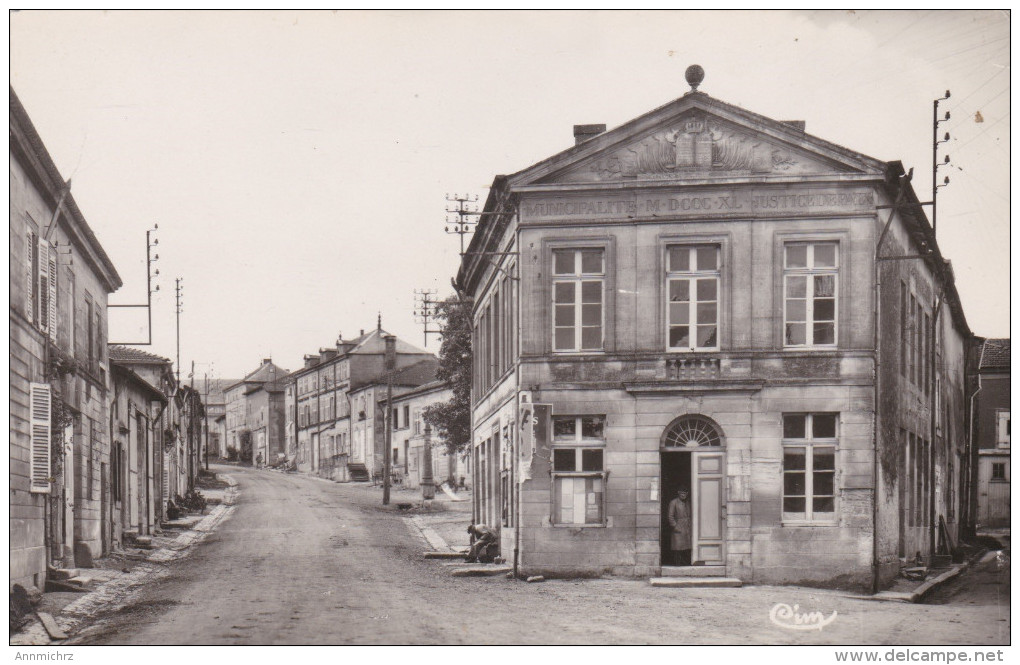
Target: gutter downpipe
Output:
[
  {"x": 933, "y": 400},
  {"x": 517, "y": 436},
  {"x": 972, "y": 457}
]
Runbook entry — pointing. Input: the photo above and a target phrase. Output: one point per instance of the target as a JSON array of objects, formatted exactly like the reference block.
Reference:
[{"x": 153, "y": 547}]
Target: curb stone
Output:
[
  {"x": 430, "y": 536},
  {"x": 116, "y": 591},
  {"x": 917, "y": 594}
]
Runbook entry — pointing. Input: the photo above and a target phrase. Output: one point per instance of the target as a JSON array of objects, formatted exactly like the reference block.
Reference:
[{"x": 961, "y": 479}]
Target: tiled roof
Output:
[
  {"x": 431, "y": 386},
  {"x": 124, "y": 354},
  {"x": 260, "y": 375},
  {"x": 416, "y": 374},
  {"x": 422, "y": 372},
  {"x": 995, "y": 354},
  {"x": 265, "y": 372},
  {"x": 373, "y": 342}
]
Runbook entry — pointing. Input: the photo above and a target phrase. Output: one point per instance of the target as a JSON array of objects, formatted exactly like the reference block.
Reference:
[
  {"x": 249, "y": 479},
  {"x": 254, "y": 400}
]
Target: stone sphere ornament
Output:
[{"x": 695, "y": 74}]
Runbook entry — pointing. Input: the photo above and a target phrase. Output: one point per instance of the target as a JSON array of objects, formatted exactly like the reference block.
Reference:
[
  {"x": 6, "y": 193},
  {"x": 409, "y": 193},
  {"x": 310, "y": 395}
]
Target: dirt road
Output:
[{"x": 304, "y": 561}]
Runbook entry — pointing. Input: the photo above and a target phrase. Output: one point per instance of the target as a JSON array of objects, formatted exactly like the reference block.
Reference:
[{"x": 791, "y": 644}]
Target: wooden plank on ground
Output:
[{"x": 50, "y": 624}]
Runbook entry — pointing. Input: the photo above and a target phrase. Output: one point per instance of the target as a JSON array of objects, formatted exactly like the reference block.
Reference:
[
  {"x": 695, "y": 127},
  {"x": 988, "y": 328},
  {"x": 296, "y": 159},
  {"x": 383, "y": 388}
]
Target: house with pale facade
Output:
[
  {"x": 991, "y": 431},
  {"x": 707, "y": 299},
  {"x": 369, "y": 412},
  {"x": 238, "y": 411},
  {"x": 141, "y": 414},
  {"x": 408, "y": 453},
  {"x": 60, "y": 278},
  {"x": 326, "y": 420}
]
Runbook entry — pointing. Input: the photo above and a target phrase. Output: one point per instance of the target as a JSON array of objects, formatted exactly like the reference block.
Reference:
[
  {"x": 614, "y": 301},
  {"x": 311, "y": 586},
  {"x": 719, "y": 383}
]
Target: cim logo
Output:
[{"x": 788, "y": 617}]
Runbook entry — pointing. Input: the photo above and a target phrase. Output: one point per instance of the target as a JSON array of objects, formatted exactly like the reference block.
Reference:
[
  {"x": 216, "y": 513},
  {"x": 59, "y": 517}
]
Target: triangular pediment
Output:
[{"x": 696, "y": 139}]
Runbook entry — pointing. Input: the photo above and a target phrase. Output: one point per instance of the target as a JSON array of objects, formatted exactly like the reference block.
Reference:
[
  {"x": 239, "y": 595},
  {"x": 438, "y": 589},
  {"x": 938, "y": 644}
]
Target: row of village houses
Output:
[
  {"x": 103, "y": 436},
  {"x": 329, "y": 417}
]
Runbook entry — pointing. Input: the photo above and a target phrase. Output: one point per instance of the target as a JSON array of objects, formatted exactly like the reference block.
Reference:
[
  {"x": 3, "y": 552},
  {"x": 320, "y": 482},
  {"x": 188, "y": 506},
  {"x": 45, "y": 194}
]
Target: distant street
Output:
[{"x": 303, "y": 561}]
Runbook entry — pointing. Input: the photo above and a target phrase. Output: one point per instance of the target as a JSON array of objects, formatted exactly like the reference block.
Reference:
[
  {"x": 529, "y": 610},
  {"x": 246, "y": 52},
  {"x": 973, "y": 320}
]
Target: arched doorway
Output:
[{"x": 692, "y": 456}]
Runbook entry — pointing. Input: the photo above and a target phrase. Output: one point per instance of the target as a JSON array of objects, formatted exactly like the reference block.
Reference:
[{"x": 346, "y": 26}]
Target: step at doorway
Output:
[
  {"x": 695, "y": 582},
  {"x": 693, "y": 571}
]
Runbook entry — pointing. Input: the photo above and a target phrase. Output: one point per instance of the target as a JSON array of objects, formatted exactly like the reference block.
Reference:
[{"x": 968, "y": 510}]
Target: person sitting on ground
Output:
[{"x": 481, "y": 549}]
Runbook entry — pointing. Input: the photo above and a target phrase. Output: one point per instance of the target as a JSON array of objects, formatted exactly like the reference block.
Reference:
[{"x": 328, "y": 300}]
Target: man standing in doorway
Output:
[{"x": 680, "y": 523}]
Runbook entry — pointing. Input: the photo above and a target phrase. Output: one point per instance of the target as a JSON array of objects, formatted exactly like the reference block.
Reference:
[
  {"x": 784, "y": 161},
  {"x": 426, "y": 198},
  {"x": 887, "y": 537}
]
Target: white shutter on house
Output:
[
  {"x": 30, "y": 278},
  {"x": 41, "y": 404},
  {"x": 43, "y": 282},
  {"x": 52, "y": 285},
  {"x": 166, "y": 476}
]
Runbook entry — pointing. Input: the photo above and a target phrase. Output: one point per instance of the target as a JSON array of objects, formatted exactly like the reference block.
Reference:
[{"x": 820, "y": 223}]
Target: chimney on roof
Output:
[
  {"x": 266, "y": 361},
  {"x": 378, "y": 323},
  {"x": 798, "y": 125},
  {"x": 362, "y": 333},
  {"x": 584, "y": 132}
]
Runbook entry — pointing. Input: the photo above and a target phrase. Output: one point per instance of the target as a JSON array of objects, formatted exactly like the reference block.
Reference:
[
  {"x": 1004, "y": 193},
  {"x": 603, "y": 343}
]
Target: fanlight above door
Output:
[{"x": 692, "y": 432}]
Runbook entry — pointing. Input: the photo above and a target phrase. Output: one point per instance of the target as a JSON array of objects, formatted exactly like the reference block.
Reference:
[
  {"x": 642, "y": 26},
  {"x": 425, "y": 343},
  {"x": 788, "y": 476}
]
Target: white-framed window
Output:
[
  {"x": 810, "y": 283},
  {"x": 692, "y": 294},
  {"x": 578, "y": 470},
  {"x": 578, "y": 299},
  {"x": 1002, "y": 428},
  {"x": 809, "y": 466}
]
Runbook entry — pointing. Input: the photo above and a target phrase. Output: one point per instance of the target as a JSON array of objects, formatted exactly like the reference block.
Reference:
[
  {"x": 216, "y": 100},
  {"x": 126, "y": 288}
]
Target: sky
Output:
[{"x": 297, "y": 163}]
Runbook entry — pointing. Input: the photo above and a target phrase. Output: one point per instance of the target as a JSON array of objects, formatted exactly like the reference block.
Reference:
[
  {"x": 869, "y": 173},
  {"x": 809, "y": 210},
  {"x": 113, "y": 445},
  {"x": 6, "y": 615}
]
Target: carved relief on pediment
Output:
[{"x": 695, "y": 144}]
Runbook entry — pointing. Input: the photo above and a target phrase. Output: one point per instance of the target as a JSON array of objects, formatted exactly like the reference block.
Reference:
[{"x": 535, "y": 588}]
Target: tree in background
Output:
[
  {"x": 451, "y": 420},
  {"x": 246, "y": 445}
]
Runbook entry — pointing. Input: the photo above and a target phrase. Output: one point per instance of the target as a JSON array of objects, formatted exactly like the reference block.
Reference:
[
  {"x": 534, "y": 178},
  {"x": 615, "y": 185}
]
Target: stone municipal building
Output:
[{"x": 708, "y": 299}]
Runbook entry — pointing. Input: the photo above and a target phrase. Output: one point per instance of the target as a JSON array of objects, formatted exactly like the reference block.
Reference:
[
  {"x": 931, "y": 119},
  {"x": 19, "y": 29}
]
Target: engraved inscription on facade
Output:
[{"x": 737, "y": 202}]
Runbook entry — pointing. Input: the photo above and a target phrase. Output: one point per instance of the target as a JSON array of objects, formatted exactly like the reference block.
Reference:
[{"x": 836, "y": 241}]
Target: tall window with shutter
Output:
[
  {"x": 41, "y": 284},
  {"x": 31, "y": 271},
  {"x": 41, "y": 436},
  {"x": 166, "y": 476}
]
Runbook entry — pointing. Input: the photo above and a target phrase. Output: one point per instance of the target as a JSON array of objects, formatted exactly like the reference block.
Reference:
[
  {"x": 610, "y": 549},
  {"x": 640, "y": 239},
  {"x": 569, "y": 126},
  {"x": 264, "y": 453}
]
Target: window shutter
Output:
[
  {"x": 43, "y": 282},
  {"x": 52, "y": 285},
  {"x": 166, "y": 476},
  {"x": 30, "y": 278},
  {"x": 41, "y": 404}
]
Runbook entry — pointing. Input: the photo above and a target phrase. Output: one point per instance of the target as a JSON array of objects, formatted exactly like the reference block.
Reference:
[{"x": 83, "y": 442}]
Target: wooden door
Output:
[{"x": 708, "y": 482}]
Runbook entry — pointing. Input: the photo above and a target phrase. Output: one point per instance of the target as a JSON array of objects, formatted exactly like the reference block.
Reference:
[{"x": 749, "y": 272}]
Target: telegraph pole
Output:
[
  {"x": 178, "y": 306},
  {"x": 150, "y": 273},
  {"x": 206, "y": 421},
  {"x": 428, "y": 484},
  {"x": 391, "y": 362},
  {"x": 462, "y": 221},
  {"x": 935, "y": 122},
  {"x": 937, "y": 307},
  {"x": 425, "y": 311}
]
